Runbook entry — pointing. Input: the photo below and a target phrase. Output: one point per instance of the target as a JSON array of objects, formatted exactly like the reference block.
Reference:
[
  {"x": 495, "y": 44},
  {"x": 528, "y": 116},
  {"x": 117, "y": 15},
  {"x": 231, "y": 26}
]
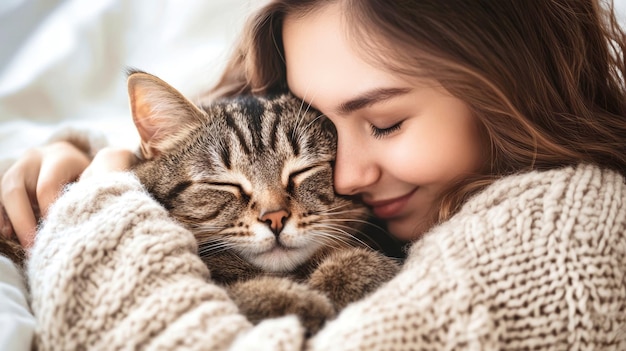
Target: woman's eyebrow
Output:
[{"x": 369, "y": 98}]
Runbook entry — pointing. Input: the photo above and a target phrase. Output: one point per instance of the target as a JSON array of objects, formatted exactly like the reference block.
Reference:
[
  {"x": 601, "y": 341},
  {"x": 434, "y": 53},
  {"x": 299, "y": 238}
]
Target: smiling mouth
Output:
[{"x": 390, "y": 208}]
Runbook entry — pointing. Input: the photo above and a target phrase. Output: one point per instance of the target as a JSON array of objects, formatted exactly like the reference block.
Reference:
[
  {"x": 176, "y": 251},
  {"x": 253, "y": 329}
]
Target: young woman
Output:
[{"x": 489, "y": 134}]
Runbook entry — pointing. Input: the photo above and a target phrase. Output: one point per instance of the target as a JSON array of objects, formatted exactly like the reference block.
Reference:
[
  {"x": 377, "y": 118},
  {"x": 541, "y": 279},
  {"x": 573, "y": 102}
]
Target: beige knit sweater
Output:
[{"x": 535, "y": 262}]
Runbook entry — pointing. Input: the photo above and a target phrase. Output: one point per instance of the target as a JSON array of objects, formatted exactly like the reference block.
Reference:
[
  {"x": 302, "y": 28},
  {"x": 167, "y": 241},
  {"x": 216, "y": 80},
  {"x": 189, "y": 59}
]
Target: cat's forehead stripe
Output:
[
  {"x": 271, "y": 125},
  {"x": 293, "y": 137},
  {"x": 224, "y": 153},
  {"x": 274, "y": 131},
  {"x": 230, "y": 122},
  {"x": 253, "y": 111}
]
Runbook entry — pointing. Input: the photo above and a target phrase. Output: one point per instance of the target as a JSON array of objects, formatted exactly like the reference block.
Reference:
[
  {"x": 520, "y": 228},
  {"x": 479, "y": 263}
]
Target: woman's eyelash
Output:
[{"x": 383, "y": 132}]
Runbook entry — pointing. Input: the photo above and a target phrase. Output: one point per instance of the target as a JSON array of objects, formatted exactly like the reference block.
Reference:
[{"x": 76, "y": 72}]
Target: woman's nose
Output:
[{"x": 355, "y": 168}]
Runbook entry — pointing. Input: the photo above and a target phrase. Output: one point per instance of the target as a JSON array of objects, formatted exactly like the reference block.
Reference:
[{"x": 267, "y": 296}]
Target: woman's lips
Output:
[{"x": 389, "y": 208}]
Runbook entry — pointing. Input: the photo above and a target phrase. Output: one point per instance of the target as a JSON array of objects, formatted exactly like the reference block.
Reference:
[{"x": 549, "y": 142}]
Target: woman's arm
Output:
[
  {"x": 523, "y": 265},
  {"x": 110, "y": 270}
]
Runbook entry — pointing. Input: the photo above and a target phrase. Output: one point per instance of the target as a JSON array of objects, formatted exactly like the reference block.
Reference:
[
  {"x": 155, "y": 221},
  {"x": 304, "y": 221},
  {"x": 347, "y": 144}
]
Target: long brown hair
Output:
[{"x": 544, "y": 78}]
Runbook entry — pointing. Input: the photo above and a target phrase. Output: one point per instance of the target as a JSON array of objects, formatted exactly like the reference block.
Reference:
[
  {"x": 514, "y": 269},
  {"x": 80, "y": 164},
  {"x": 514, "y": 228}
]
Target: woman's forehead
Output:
[{"x": 323, "y": 66}]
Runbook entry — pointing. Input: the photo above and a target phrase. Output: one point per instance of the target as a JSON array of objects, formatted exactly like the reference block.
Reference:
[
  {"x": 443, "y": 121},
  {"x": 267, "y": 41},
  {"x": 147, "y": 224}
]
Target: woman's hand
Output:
[
  {"x": 33, "y": 182},
  {"x": 110, "y": 160}
]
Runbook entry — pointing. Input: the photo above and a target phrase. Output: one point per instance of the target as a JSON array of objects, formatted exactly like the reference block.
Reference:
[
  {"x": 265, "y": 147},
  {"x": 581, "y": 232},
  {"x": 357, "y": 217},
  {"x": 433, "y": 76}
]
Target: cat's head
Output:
[{"x": 248, "y": 174}]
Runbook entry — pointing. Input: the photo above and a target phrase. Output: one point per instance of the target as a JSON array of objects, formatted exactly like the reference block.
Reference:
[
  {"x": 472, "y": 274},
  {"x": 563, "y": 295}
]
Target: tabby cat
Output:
[{"x": 251, "y": 178}]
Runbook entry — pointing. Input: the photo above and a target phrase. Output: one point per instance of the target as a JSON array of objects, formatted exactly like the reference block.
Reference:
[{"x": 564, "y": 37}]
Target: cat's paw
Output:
[
  {"x": 266, "y": 297},
  {"x": 348, "y": 275}
]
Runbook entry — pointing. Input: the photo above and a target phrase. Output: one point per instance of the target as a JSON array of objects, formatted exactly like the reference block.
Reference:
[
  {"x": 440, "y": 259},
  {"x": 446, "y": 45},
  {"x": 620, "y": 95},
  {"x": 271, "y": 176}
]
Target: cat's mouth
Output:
[
  {"x": 280, "y": 246},
  {"x": 281, "y": 249},
  {"x": 282, "y": 258}
]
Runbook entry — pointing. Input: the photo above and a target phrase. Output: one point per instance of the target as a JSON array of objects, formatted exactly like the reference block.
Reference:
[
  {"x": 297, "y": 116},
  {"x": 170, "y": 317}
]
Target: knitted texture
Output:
[{"x": 535, "y": 261}]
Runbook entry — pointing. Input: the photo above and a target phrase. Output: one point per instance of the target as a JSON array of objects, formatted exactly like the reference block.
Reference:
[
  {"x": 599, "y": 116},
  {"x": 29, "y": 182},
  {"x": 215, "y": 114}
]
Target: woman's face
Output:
[{"x": 401, "y": 142}]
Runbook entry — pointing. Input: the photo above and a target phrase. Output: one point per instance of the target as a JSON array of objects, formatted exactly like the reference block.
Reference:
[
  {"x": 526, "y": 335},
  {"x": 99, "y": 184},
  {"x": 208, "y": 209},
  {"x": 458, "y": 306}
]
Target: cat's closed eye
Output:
[
  {"x": 297, "y": 176},
  {"x": 234, "y": 188}
]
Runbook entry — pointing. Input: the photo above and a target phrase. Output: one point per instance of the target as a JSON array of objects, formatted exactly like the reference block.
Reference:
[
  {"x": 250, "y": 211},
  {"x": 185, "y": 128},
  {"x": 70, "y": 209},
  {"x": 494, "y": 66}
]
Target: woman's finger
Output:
[
  {"x": 19, "y": 209},
  {"x": 62, "y": 164},
  {"x": 32, "y": 184},
  {"x": 110, "y": 160}
]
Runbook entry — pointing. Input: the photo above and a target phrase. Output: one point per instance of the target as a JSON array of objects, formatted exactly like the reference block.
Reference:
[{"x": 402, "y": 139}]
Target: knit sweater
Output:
[{"x": 535, "y": 261}]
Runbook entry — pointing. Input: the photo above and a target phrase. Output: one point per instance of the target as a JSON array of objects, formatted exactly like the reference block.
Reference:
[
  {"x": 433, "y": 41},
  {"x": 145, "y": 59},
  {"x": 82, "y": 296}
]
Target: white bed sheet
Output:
[{"x": 63, "y": 62}]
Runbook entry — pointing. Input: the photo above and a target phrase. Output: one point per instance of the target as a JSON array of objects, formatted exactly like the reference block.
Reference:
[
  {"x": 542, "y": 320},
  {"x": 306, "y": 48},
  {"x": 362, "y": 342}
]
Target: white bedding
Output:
[{"x": 63, "y": 62}]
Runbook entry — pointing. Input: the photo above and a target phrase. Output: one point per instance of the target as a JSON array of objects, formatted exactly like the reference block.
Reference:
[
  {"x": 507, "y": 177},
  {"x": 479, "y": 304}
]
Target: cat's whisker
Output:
[
  {"x": 345, "y": 233},
  {"x": 334, "y": 231},
  {"x": 345, "y": 205},
  {"x": 214, "y": 243},
  {"x": 371, "y": 224},
  {"x": 204, "y": 254},
  {"x": 329, "y": 239},
  {"x": 361, "y": 230},
  {"x": 343, "y": 230},
  {"x": 334, "y": 235},
  {"x": 313, "y": 121},
  {"x": 354, "y": 214},
  {"x": 203, "y": 229},
  {"x": 210, "y": 240},
  {"x": 308, "y": 107},
  {"x": 302, "y": 132},
  {"x": 343, "y": 220},
  {"x": 300, "y": 116},
  {"x": 326, "y": 240},
  {"x": 213, "y": 248}
]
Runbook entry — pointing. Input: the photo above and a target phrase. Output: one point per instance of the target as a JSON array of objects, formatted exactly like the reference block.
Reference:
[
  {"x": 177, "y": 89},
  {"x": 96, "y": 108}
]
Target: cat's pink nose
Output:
[{"x": 275, "y": 220}]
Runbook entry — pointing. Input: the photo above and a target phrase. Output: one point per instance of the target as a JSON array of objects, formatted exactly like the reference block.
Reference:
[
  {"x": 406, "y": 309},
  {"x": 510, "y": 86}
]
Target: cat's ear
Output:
[{"x": 162, "y": 115}]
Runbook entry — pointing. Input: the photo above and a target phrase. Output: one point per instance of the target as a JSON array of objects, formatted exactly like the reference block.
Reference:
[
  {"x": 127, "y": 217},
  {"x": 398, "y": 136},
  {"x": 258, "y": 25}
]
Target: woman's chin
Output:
[{"x": 408, "y": 229}]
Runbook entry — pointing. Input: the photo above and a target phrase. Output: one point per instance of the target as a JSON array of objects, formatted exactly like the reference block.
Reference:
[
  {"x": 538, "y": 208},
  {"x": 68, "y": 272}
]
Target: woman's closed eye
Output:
[{"x": 383, "y": 132}]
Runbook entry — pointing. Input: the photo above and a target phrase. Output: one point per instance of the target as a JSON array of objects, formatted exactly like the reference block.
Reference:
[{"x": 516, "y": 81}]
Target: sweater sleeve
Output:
[
  {"x": 109, "y": 271},
  {"x": 534, "y": 262}
]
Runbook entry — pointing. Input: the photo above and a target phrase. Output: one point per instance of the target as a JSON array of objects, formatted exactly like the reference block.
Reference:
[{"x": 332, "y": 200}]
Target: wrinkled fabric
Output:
[
  {"x": 17, "y": 324},
  {"x": 63, "y": 62}
]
